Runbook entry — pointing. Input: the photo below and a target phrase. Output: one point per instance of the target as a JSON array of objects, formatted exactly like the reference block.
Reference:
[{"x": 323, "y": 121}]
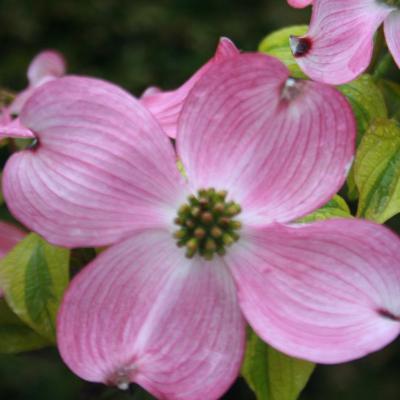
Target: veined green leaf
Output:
[
  {"x": 33, "y": 276},
  {"x": 335, "y": 208},
  {"x": 368, "y": 103},
  {"x": 277, "y": 44},
  {"x": 366, "y": 100},
  {"x": 271, "y": 374},
  {"x": 391, "y": 93},
  {"x": 377, "y": 171},
  {"x": 15, "y": 336}
]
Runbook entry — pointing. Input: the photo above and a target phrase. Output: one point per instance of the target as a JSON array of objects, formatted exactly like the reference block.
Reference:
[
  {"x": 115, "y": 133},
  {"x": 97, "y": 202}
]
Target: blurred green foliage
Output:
[
  {"x": 133, "y": 43},
  {"x": 136, "y": 44}
]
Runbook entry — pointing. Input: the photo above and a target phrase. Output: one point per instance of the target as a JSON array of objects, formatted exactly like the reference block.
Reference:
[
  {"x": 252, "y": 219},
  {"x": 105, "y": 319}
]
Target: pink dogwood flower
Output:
[
  {"x": 46, "y": 66},
  {"x": 192, "y": 260},
  {"x": 339, "y": 44},
  {"x": 10, "y": 235}
]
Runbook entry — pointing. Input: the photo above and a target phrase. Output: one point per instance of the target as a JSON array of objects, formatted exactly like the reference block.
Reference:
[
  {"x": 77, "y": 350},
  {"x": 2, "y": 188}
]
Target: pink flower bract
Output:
[
  {"x": 338, "y": 46},
  {"x": 104, "y": 173}
]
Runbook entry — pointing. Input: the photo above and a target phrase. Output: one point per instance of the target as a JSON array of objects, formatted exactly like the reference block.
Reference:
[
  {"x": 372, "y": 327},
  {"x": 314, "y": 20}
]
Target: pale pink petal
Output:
[
  {"x": 280, "y": 147},
  {"x": 15, "y": 129},
  {"x": 338, "y": 46},
  {"x": 10, "y": 235},
  {"x": 45, "y": 64},
  {"x": 150, "y": 91},
  {"x": 327, "y": 292},
  {"x": 300, "y": 3},
  {"x": 166, "y": 106},
  {"x": 101, "y": 168},
  {"x": 20, "y": 99},
  {"x": 142, "y": 312},
  {"x": 392, "y": 34}
]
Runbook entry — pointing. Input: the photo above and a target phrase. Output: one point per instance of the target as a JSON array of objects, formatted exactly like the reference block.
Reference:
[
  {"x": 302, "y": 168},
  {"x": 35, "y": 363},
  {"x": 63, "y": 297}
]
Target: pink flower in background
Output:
[
  {"x": 259, "y": 150},
  {"x": 338, "y": 46},
  {"x": 10, "y": 235},
  {"x": 300, "y": 3},
  {"x": 46, "y": 66},
  {"x": 166, "y": 106}
]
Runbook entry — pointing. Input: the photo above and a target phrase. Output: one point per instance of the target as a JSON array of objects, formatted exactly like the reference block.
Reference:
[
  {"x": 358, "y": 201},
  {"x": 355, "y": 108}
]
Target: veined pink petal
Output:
[
  {"x": 327, "y": 292},
  {"x": 142, "y": 312},
  {"x": 280, "y": 147},
  {"x": 300, "y": 3},
  {"x": 101, "y": 168},
  {"x": 338, "y": 46},
  {"x": 392, "y": 34},
  {"x": 46, "y": 63},
  {"x": 15, "y": 129},
  {"x": 166, "y": 106},
  {"x": 10, "y": 235}
]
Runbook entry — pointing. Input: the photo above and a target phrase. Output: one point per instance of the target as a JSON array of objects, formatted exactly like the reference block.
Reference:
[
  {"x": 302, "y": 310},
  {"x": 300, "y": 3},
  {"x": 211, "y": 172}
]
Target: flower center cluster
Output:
[{"x": 207, "y": 224}]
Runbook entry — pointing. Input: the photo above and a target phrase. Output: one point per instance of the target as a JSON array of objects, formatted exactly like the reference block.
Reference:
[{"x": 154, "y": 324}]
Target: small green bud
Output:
[{"x": 206, "y": 218}]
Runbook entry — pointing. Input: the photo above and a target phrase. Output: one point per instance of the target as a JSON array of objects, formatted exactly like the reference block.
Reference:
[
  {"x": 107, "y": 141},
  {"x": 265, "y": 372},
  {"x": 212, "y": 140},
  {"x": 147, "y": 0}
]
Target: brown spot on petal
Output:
[
  {"x": 387, "y": 314},
  {"x": 300, "y": 46}
]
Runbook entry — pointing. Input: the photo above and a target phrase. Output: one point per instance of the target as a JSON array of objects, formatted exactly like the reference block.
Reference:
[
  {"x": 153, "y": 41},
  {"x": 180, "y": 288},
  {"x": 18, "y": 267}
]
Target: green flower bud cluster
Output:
[{"x": 206, "y": 224}]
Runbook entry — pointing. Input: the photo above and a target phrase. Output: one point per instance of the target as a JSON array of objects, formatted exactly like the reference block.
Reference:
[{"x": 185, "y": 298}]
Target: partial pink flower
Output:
[
  {"x": 46, "y": 66},
  {"x": 166, "y": 106},
  {"x": 191, "y": 260},
  {"x": 299, "y": 3},
  {"x": 10, "y": 235},
  {"x": 339, "y": 44}
]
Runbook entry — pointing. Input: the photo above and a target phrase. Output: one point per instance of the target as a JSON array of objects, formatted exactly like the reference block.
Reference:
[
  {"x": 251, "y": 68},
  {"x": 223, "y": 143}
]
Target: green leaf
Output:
[
  {"x": 377, "y": 171},
  {"x": 15, "y": 336},
  {"x": 277, "y": 44},
  {"x": 391, "y": 93},
  {"x": 366, "y": 100},
  {"x": 271, "y": 374},
  {"x": 335, "y": 208},
  {"x": 367, "y": 103},
  {"x": 33, "y": 276}
]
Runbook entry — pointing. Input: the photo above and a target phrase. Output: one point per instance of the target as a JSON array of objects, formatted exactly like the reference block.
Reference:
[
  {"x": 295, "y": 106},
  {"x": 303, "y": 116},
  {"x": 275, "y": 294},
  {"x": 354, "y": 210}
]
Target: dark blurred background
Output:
[{"x": 136, "y": 44}]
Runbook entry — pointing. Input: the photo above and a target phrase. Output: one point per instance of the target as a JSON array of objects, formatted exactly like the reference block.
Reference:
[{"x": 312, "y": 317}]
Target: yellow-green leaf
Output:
[
  {"x": 366, "y": 100},
  {"x": 271, "y": 374},
  {"x": 277, "y": 44},
  {"x": 15, "y": 336},
  {"x": 377, "y": 171},
  {"x": 335, "y": 208},
  {"x": 34, "y": 275},
  {"x": 367, "y": 103}
]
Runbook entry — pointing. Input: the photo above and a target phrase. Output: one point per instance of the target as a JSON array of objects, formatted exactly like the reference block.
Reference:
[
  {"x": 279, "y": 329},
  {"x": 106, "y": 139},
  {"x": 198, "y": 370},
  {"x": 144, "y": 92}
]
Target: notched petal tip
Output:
[
  {"x": 300, "y": 46},
  {"x": 291, "y": 88},
  {"x": 383, "y": 312},
  {"x": 122, "y": 379}
]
